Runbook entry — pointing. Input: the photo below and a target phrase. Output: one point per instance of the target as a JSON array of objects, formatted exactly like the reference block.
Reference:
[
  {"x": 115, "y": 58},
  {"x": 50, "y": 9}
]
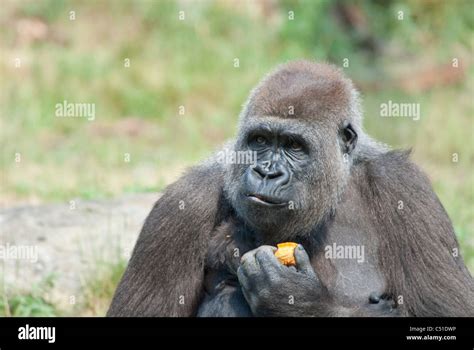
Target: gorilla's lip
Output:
[{"x": 265, "y": 200}]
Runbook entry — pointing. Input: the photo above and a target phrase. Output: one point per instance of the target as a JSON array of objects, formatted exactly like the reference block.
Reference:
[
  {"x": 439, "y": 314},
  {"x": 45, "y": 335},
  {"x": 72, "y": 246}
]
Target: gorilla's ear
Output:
[{"x": 349, "y": 138}]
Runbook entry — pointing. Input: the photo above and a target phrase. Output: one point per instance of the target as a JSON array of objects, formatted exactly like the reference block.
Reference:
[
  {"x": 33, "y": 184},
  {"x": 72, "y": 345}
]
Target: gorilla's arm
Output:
[
  {"x": 419, "y": 254},
  {"x": 165, "y": 273}
]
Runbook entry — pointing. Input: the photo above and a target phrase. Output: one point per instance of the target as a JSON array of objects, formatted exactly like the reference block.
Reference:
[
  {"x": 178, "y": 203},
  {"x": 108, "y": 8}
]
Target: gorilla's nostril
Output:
[
  {"x": 274, "y": 174},
  {"x": 259, "y": 171},
  {"x": 374, "y": 298}
]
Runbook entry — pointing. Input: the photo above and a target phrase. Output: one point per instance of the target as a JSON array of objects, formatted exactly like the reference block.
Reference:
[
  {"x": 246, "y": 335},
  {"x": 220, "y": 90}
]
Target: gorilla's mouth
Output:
[{"x": 265, "y": 200}]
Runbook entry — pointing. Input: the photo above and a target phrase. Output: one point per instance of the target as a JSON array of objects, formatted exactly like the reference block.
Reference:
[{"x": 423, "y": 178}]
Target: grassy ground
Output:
[
  {"x": 95, "y": 294},
  {"x": 191, "y": 63}
]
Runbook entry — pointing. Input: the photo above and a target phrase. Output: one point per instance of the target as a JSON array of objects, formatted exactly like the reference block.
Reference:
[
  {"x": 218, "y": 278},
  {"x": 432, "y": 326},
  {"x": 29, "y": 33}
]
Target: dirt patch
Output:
[{"x": 67, "y": 241}]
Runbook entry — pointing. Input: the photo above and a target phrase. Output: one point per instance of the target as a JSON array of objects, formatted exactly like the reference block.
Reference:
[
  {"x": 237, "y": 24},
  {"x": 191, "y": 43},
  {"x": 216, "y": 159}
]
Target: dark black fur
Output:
[{"x": 187, "y": 261}]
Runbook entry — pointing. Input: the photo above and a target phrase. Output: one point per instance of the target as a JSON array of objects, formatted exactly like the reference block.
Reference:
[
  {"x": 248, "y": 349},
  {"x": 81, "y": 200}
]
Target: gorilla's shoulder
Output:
[
  {"x": 393, "y": 176},
  {"x": 199, "y": 186},
  {"x": 206, "y": 177},
  {"x": 395, "y": 169},
  {"x": 192, "y": 202}
]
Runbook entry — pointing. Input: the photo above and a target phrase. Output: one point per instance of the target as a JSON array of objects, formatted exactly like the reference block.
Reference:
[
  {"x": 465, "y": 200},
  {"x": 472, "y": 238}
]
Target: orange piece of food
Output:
[{"x": 286, "y": 253}]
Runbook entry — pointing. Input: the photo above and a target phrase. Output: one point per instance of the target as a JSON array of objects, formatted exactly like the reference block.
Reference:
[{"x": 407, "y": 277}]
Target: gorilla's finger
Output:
[
  {"x": 266, "y": 254},
  {"x": 248, "y": 296},
  {"x": 249, "y": 262},
  {"x": 251, "y": 269},
  {"x": 243, "y": 278},
  {"x": 269, "y": 248},
  {"x": 303, "y": 263},
  {"x": 267, "y": 260}
]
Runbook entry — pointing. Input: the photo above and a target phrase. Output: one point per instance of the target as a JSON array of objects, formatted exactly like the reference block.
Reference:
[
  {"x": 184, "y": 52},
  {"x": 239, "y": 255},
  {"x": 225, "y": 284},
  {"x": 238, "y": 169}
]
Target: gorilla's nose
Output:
[
  {"x": 272, "y": 172},
  {"x": 275, "y": 172}
]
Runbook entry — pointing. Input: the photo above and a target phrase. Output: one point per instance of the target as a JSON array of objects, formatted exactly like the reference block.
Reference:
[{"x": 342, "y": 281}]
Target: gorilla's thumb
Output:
[{"x": 303, "y": 264}]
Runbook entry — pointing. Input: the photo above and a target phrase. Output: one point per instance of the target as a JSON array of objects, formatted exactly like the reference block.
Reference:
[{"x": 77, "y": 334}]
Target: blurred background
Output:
[{"x": 168, "y": 79}]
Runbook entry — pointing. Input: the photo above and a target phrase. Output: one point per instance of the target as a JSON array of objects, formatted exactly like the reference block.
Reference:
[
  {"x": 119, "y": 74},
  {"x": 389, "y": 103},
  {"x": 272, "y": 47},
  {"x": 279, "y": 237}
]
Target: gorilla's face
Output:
[
  {"x": 295, "y": 179},
  {"x": 280, "y": 157}
]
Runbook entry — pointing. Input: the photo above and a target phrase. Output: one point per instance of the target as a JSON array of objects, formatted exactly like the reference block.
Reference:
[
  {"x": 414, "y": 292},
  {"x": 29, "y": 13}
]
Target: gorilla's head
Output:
[{"x": 302, "y": 122}]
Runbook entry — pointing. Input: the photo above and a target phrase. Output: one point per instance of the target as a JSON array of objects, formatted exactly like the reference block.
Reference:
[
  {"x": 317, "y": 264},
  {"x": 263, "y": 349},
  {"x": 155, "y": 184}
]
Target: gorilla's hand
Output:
[{"x": 273, "y": 289}]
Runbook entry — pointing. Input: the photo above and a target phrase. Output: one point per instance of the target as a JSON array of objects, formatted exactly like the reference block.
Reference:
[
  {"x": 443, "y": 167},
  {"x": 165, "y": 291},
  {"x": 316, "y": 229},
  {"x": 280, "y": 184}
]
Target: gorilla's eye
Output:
[
  {"x": 295, "y": 146},
  {"x": 261, "y": 140}
]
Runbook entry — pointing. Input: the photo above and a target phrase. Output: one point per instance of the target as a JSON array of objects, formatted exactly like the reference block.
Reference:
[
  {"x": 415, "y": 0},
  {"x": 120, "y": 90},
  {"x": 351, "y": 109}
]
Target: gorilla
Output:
[{"x": 316, "y": 179}]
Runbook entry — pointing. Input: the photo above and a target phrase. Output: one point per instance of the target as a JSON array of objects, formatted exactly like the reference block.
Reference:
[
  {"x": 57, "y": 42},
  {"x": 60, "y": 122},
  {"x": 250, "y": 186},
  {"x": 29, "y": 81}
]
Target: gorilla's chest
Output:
[
  {"x": 345, "y": 262},
  {"x": 348, "y": 260}
]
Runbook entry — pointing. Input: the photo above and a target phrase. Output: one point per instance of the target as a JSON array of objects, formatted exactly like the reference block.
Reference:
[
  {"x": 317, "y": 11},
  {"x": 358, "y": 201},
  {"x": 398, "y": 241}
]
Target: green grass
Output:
[
  {"x": 29, "y": 304},
  {"x": 99, "y": 287},
  {"x": 14, "y": 303}
]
